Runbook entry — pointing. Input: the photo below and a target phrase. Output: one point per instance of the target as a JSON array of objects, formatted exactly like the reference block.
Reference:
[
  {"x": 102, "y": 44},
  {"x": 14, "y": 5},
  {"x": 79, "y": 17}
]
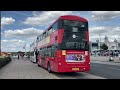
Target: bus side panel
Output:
[
  {"x": 87, "y": 63},
  {"x": 56, "y": 64},
  {"x": 52, "y": 37},
  {"x": 60, "y": 35},
  {"x": 39, "y": 60},
  {"x": 53, "y": 64}
]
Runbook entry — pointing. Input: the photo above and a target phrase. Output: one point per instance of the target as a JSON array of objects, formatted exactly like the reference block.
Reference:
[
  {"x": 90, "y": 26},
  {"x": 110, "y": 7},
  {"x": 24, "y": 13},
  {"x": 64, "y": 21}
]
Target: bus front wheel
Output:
[{"x": 48, "y": 67}]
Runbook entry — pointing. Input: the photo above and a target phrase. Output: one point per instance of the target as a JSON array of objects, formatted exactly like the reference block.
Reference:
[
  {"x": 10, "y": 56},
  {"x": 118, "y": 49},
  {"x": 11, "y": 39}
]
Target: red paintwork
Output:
[
  {"x": 72, "y": 17},
  {"x": 67, "y": 66},
  {"x": 59, "y": 58}
]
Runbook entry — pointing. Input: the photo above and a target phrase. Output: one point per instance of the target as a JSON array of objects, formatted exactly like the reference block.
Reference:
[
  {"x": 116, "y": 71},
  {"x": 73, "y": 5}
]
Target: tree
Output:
[{"x": 104, "y": 47}]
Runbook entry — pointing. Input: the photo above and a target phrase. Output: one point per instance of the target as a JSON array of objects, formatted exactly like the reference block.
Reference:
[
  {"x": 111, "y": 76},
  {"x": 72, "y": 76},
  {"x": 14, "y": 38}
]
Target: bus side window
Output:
[
  {"x": 50, "y": 31},
  {"x": 49, "y": 51},
  {"x": 43, "y": 52},
  {"x": 46, "y": 33},
  {"x": 37, "y": 39},
  {"x": 46, "y": 52},
  {"x": 43, "y": 35},
  {"x": 56, "y": 47},
  {"x": 40, "y": 51},
  {"x": 53, "y": 51},
  {"x": 40, "y": 38}
]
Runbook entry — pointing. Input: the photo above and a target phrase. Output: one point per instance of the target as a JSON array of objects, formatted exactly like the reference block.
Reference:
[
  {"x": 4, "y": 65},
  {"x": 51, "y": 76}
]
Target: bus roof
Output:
[
  {"x": 67, "y": 17},
  {"x": 73, "y": 17}
]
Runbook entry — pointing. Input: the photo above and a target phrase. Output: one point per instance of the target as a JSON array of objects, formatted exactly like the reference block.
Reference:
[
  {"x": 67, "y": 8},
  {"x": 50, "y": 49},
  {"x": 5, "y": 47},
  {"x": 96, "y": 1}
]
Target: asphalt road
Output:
[
  {"x": 98, "y": 71},
  {"x": 105, "y": 70}
]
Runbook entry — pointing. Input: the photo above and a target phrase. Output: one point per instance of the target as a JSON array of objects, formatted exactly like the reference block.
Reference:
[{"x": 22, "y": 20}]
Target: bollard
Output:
[{"x": 111, "y": 59}]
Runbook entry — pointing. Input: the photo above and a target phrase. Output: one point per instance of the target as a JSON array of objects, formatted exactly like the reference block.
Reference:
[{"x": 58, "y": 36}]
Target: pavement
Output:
[
  {"x": 21, "y": 69},
  {"x": 104, "y": 59}
]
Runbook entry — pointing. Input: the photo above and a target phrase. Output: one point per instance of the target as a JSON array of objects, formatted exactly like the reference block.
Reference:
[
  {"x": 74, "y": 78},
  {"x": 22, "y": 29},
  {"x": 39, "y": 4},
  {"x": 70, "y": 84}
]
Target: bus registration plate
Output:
[{"x": 75, "y": 68}]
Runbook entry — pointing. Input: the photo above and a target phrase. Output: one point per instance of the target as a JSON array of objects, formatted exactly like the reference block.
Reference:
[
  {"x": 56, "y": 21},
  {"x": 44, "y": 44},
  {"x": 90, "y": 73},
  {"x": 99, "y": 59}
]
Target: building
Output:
[
  {"x": 5, "y": 54},
  {"x": 115, "y": 45}
]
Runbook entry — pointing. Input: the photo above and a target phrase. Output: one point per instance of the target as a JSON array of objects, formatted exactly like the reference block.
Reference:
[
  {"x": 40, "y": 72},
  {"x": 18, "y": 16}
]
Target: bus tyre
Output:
[{"x": 48, "y": 67}]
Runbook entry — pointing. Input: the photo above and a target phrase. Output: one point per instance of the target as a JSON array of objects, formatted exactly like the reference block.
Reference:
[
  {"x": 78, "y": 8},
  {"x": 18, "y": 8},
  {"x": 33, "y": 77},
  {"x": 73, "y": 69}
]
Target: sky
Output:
[{"x": 20, "y": 28}]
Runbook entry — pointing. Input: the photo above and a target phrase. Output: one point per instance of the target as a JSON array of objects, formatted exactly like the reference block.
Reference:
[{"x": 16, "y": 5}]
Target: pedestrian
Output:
[
  {"x": 119, "y": 55},
  {"x": 22, "y": 55},
  {"x": 112, "y": 54},
  {"x": 18, "y": 55},
  {"x": 36, "y": 54}
]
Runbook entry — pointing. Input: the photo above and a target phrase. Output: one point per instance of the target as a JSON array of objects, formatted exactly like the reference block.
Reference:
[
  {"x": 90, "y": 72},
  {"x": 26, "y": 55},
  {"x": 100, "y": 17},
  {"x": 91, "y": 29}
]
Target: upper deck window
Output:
[
  {"x": 50, "y": 31},
  {"x": 73, "y": 26},
  {"x": 55, "y": 26}
]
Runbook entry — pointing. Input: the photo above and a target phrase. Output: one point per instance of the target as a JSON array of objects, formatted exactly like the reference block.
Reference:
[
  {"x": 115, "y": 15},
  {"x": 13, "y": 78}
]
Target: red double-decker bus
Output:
[{"x": 64, "y": 46}]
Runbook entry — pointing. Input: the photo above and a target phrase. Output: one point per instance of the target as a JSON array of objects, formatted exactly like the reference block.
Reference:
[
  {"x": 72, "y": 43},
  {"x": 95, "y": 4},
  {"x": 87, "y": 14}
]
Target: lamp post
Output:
[
  {"x": 109, "y": 52},
  {"x": 97, "y": 45},
  {"x": 97, "y": 42},
  {"x": 100, "y": 43},
  {"x": 115, "y": 43},
  {"x": 100, "y": 40}
]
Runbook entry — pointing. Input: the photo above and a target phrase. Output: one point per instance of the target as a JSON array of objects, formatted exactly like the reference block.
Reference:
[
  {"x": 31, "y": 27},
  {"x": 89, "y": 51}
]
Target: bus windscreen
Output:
[{"x": 74, "y": 37}]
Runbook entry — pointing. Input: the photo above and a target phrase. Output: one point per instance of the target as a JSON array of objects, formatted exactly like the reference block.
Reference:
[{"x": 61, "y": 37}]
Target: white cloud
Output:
[
  {"x": 111, "y": 32},
  {"x": 100, "y": 29},
  {"x": 18, "y": 38},
  {"x": 27, "y": 33},
  {"x": 6, "y": 21},
  {"x": 104, "y": 15},
  {"x": 12, "y": 45},
  {"x": 45, "y": 17}
]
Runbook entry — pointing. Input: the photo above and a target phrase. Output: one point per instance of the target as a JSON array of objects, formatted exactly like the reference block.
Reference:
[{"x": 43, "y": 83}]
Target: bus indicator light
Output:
[{"x": 63, "y": 52}]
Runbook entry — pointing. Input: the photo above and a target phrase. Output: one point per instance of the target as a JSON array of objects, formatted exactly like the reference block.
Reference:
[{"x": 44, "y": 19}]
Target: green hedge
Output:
[{"x": 4, "y": 61}]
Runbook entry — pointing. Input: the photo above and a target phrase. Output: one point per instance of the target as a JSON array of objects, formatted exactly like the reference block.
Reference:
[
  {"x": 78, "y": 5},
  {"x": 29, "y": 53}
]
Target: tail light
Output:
[
  {"x": 63, "y": 52},
  {"x": 59, "y": 54}
]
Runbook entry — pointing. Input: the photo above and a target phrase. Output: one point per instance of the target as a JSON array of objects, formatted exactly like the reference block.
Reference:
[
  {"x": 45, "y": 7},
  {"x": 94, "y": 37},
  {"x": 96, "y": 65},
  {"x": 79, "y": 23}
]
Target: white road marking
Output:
[
  {"x": 81, "y": 75},
  {"x": 108, "y": 63},
  {"x": 90, "y": 76},
  {"x": 114, "y": 68}
]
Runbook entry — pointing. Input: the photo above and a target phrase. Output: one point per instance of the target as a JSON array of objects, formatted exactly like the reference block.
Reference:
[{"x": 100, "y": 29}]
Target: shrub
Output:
[{"x": 4, "y": 61}]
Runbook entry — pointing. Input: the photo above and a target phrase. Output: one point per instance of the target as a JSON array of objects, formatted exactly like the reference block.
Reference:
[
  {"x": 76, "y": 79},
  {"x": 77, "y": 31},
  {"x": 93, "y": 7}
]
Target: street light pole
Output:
[
  {"x": 100, "y": 43},
  {"x": 97, "y": 43},
  {"x": 116, "y": 43},
  {"x": 100, "y": 40},
  {"x": 109, "y": 52}
]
